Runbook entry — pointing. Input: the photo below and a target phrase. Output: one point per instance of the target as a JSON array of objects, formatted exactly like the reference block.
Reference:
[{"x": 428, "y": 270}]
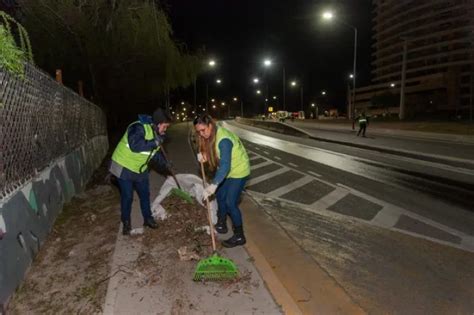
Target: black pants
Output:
[{"x": 362, "y": 127}]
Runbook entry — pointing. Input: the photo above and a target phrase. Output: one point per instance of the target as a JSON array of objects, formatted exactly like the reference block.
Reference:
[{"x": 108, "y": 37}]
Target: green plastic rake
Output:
[{"x": 215, "y": 267}]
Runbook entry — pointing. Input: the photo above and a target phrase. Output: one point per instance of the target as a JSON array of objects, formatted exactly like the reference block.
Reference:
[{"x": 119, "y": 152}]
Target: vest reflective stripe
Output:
[
  {"x": 240, "y": 164},
  {"x": 134, "y": 161},
  {"x": 143, "y": 152},
  {"x": 362, "y": 121}
]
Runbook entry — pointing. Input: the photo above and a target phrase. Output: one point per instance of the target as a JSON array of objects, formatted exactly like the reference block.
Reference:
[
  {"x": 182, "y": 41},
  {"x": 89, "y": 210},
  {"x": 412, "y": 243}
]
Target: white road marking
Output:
[
  {"x": 291, "y": 186},
  {"x": 266, "y": 152},
  {"x": 257, "y": 166},
  {"x": 314, "y": 174},
  {"x": 330, "y": 199},
  {"x": 386, "y": 218},
  {"x": 263, "y": 177},
  {"x": 292, "y": 164},
  {"x": 254, "y": 157},
  {"x": 277, "y": 158}
]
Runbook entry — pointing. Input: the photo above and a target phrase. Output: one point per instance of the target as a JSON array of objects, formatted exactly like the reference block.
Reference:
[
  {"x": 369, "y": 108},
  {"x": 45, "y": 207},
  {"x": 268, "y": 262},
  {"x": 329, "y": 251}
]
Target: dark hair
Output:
[
  {"x": 207, "y": 147},
  {"x": 203, "y": 119}
]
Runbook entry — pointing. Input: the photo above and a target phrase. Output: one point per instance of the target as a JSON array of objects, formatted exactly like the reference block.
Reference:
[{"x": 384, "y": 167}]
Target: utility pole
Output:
[
  {"x": 284, "y": 89},
  {"x": 301, "y": 96},
  {"x": 195, "y": 95},
  {"x": 207, "y": 98},
  {"x": 241, "y": 108},
  {"x": 401, "y": 114}
]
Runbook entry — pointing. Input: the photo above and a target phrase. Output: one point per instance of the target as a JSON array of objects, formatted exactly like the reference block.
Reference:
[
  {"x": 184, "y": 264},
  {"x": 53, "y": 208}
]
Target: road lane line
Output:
[
  {"x": 292, "y": 164},
  {"x": 314, "y": 174},
  {"x": 387, "y": 217},
  {"x": 277, "y": 158},
  {"x": 330, "y": 199},
  {"x": 291, "y": 186},
  {"x": 259, "y": 179},
  {"x": 266, "y": 152},
  {"x": 254, "y": 167},
  {"x": 254, "y": 157}
]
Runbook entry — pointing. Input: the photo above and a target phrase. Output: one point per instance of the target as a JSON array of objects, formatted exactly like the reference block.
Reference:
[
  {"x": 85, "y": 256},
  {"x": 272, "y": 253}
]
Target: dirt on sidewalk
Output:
[{"x": 70, "y": 273}]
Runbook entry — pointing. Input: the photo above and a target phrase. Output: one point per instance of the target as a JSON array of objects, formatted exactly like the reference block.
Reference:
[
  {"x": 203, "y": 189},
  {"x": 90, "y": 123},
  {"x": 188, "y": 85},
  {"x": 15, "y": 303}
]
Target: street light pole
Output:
[
  {"x": 328, "y": 15},
  {"x": 284, "y": 89},
  {"x": 241, "y": 108},
  {"x": 207, "y": 98},
  {"x": 301, "y": 95},
  {"x": 354, "y": 74},
  {"x": 401, "y": 114}
]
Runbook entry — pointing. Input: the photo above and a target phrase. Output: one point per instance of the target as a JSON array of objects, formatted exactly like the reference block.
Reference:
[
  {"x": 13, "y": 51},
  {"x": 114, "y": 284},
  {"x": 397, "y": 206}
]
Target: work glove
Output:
[
  {"x": 209, "y": 191},
  {"x": 201, "y": 158},
  {"x": 158, "y": 140}
]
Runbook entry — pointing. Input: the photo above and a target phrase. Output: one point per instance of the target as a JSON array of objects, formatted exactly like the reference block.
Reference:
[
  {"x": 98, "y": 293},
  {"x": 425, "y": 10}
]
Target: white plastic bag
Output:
[{"x": 190, "y": 183}]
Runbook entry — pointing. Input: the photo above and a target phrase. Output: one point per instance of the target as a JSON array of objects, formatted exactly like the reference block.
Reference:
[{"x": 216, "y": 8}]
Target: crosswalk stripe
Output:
[
  {"x": 330, "y": 199},
  {"x": 291, "y": 186},
  {"x": 254, "y": 167},
  {"x": 314, "y": 174},
  {"x": 263, "y": 177}
]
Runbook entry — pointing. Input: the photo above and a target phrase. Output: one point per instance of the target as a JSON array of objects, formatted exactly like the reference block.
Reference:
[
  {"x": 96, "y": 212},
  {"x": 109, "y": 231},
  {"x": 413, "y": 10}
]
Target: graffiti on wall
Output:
[{"x": 29, "y": 214}]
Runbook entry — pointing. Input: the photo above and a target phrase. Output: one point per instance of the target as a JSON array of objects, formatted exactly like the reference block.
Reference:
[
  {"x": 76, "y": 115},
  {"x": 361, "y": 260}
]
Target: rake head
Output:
[
  {"x": 215, "y": 268},
  {"x": 182, "y": 194}
]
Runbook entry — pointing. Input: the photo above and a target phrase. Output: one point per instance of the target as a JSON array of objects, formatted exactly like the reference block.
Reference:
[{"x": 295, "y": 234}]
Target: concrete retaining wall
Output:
[{"x": 27, "y": 215}]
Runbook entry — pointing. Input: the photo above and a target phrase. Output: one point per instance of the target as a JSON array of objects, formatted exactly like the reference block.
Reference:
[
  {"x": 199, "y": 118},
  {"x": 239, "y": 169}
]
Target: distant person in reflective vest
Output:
[
  {"x": 226, "y": 155},
  {"x": 139, "y": 145},
  {"x": 363, "y": 122}
]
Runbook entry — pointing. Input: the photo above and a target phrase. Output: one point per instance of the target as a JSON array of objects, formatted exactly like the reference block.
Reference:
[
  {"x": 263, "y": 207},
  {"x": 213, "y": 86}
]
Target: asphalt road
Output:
[{"x": 396, "y": 232}]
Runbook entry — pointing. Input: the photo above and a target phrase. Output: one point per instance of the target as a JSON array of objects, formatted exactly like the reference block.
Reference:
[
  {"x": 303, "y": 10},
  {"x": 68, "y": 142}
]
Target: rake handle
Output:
[
  {"x": 211, "y": 230},
  {"x": 169, "y": 168}
]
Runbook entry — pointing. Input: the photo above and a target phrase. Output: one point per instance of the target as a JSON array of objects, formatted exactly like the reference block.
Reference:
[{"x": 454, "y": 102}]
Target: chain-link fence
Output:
[{"x": 40, "y": 121}]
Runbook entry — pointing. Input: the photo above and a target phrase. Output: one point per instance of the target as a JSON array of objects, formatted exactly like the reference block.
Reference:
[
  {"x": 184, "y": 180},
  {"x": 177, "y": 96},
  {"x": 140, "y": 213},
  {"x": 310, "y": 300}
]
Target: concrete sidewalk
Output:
[
  {"x": 284, "y": 279},
  {"x": 130, "y": 292}
]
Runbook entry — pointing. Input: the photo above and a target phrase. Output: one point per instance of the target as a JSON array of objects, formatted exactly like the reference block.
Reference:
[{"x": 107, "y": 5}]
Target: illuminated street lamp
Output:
[
  {"x": 182, "y": 103},
  {"x": 267, "y": 62},
  {"x": 259, "y": 92},
  {"x": 214, "y": 106},
  {"x": 328, "y": 16},
  {"x": 392, "y": 85},
  {"x": 256, "y": 80},
  {"x": 212, "y": 63},
  {"x": 351, "y": 76},
  {"x": 323, "y": 93},
  {"x": 274, "y": 97},
  {"x": 218, "y": 81},
  {"x": 294, "y": 84},
  {"x": 235, "y": 99}
]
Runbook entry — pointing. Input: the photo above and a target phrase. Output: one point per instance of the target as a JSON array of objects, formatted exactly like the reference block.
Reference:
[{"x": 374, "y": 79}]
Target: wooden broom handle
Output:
[{"x": 211, "y": 227}]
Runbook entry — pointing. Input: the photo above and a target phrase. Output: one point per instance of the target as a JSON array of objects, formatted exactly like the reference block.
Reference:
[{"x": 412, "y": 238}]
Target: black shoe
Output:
[
  {"x": 126, "y": 228},
  {"x": 237, "y": 239},
  {"x": 221, "y": 225},
  {"x": 151, "y": 223}
]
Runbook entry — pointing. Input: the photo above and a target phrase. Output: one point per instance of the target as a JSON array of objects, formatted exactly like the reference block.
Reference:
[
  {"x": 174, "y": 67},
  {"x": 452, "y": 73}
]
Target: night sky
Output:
[{"x": 240, "y": 33}]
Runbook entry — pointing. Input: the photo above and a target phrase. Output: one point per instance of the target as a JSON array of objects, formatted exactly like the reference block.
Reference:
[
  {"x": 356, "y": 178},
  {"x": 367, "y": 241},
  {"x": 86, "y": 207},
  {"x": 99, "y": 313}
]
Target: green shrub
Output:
[{"x": 11, "y": 57}]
